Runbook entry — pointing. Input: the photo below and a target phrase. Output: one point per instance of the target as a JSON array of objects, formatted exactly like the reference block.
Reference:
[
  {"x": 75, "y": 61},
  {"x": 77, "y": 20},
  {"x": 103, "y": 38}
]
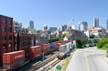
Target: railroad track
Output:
[
  {"x": 38, "y": 65},
  {"x": 50, "y": 65}
]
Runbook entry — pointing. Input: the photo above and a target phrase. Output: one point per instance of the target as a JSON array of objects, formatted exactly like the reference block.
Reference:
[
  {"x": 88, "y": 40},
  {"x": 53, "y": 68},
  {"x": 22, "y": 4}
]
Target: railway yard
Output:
[{"x": 45, "y": 61}]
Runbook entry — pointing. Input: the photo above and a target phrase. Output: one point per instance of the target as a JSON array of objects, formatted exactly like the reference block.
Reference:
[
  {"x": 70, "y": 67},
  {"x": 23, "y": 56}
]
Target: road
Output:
[{"x": 89, "y": 59}]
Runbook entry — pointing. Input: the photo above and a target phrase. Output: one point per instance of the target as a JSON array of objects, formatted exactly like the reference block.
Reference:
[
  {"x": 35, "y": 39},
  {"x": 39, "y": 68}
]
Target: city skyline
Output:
[{"x": 55, "y": 13}]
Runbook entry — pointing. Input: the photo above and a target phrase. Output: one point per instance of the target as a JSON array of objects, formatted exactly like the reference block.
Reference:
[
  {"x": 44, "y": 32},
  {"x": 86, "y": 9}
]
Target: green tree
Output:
[
  {"x": 62, "y": 36},
  {"x": 80, "y": 43},
  {"x": 105, "y": 47},
  {"x": 102, "y": 42},
  {"x": 92, "y": 36}
]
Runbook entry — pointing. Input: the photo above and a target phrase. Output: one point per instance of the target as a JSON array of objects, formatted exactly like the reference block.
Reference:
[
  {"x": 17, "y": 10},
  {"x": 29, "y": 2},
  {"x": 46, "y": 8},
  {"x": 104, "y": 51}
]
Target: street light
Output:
[{"x": 43, "y": 58}]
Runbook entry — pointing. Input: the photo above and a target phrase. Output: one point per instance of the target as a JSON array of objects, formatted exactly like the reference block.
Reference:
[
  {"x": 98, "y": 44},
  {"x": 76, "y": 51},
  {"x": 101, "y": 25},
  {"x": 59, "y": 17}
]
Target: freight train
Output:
[
  {"x": 13, "y": 60},
  {"x": 65, "y": 49},
  {"x": 25, "y": 52}
]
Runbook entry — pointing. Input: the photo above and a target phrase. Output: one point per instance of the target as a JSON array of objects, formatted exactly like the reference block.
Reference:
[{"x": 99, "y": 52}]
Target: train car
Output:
[
  {"x": 52, "y": 47},
  {"x": 69, "y": 46},
  {"x": 36, "y": 51},
  {"x": 45, "y": 48},
  {"x": 58, "y": 45},
  {"x": 64, "y": 50},
  {"x": 14, "y": 59}
]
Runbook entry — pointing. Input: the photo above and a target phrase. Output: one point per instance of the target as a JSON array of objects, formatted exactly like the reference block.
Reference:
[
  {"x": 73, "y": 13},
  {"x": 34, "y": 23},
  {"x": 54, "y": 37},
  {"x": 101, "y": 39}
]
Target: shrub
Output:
[
  {"x": 102, "y": 42},
  {"x": 80, "y": 43},
  {"x": 105, "y": 47}
]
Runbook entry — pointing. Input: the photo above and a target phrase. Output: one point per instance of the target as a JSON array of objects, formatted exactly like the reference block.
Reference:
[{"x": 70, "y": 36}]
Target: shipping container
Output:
[
  {"x": 12, "y": 57},
  {"x": 58, "y": 45},
  {"x": 52, "y": 45},
  {"x": 45, "y": 48},
  {"x": 14, "y": 65},
  {"x": 36, "y": 51}
]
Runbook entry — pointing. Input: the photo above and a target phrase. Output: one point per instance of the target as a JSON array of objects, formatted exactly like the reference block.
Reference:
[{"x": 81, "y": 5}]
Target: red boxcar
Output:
[
  {"x": 58, "y": 45},
  {"x": 13, "y": 60},
  {"x": 36, "y": 51},
  {"x": 45, "y": 48}
]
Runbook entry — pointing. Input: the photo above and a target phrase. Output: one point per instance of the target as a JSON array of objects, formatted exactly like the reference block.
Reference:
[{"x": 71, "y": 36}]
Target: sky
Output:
[{"x": 55, "y": 13}]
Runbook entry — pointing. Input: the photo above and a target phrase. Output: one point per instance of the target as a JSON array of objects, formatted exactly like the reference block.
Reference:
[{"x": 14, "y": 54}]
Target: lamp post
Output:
[{"x": 43, "y": 58}]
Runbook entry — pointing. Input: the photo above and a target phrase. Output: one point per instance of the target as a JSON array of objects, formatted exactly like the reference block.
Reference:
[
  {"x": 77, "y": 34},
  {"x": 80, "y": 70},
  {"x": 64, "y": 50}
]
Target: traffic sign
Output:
[{"x": 58, "y": 67}]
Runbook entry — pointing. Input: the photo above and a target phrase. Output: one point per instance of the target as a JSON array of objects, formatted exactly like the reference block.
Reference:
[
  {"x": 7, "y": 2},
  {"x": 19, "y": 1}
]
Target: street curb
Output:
[{"x": 106, "y": 59}]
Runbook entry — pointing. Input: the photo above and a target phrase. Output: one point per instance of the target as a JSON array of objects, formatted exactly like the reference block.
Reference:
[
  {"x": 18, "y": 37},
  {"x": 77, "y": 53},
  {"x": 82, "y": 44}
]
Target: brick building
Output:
[
  {"x": 6, "y": 35},
  {"x": 23, "y": 41}
]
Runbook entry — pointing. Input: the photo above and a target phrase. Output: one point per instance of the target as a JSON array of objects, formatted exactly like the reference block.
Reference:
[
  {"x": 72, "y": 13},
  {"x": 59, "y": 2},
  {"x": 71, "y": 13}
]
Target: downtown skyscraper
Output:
[
  {"x": 83, "y": 26},
  {"x": 96, "y": 22}
]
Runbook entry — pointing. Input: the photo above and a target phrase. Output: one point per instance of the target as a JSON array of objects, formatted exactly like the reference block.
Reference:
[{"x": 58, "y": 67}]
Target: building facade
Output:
[
  {"x": 99, "y": 32},
  {"x": 64, "y": 27},
  {"x": 74, "y": 34},
  {"x": 6, "y": 32},
  {"x": 96, "y": 22},
  {"x": 23, "y": 41},
  {"x": 52, "y": 29},
  {"x": 83, "y": 26},
  {"x": 31, "y": 24},
  {"x": 17, "y": 27}
]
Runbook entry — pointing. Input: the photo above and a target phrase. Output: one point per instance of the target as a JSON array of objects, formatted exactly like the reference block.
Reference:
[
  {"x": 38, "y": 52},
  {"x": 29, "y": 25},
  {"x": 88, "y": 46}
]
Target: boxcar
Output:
[
  {"x": 14, "y": 59},
  {"x": 36, "y": 51}
]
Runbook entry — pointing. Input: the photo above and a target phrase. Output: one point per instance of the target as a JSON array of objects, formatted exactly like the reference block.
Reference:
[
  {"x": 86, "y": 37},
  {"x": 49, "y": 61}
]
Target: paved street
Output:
[{"x": 89, "y": 59}]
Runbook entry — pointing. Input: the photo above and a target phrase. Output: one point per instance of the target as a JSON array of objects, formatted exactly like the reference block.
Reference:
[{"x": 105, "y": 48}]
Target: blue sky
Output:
[{"x": 55, "y": 12}]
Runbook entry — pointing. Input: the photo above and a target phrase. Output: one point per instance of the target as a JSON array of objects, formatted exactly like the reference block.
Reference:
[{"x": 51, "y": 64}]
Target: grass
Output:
[
  {"x": 66, "y": 62},
  {"x": 103, "y": 48}
]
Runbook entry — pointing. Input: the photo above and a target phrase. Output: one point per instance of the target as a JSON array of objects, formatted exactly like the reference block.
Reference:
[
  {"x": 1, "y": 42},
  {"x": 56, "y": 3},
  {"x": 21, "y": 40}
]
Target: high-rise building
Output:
[
  {"x": 45, "y": 27},
  {"x": 64, "y": 27},
  {"x": 83, "y": 26},
  {"x": 52, "y": 29},
  {"x": 6, "y": 35},
  {"x": 31, "y": 28},
  {"x": 96, "y": 22},
  {"x": 31, "y": 24}
]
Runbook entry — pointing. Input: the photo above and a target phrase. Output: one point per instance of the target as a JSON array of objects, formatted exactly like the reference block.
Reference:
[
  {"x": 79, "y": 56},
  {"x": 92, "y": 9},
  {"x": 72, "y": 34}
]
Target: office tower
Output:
[
  {"x": 96, "y": 22},
  {"x": 31, "y": 24},
  {"x": 83, "y": 26}
]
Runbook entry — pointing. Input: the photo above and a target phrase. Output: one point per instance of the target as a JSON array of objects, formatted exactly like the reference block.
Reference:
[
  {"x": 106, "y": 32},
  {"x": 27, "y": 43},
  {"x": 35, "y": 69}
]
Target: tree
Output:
[
  {"x": 62, "y": 36},
  {"x": 102, "y": 42},
  {"x": 92, "y": 36},
  {"x": 80, "y": 43},
  {"x": 105, "y": 47}
]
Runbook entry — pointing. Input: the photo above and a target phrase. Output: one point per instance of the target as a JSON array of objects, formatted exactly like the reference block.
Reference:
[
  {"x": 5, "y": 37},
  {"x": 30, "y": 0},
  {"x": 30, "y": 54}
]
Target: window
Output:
[
  {"x": 3, "y": 29},
  {"x": 9, "y": 21},
  {"x": 3, "y": 45},
  {"x": 10, "y": 37},
  {"x": 3, "y": 20},
  {"x": 10, "y": 29},
  {"x": 3, "y": 37}
]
